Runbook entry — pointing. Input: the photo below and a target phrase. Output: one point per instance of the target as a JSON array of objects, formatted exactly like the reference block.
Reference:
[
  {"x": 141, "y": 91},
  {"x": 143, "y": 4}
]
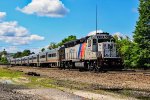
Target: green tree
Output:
[
  {"x": 125, "y": 48},
  {"x": 4, "y": 60},
  {"x": 65, "y": 40},
  {"x": 22, "y": 54},
  {"x": 142, "y": 35},
  {"x": 4, "y": 52},
  {"x": 69, "y": 38},
  {"x": 43, "y": 49},
  {"x": 26, "y": 53},
  {"x": 17, "y": 55},
  {"x": 52, "y": 45}
]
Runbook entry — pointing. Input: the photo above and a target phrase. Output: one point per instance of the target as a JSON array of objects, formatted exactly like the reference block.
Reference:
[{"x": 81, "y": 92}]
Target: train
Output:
[{"x": 96, "y": 52}]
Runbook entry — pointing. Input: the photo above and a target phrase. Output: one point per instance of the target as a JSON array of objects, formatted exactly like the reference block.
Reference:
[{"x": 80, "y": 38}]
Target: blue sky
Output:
[{"x": 33, "y": 24}]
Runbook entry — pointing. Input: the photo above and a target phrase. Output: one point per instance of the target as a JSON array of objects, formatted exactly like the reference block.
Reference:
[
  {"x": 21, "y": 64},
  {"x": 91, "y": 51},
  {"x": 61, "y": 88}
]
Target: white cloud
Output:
[
  {"x": 36, "y": 37},
  {"x": 12, "y": 29},
  {"x": 2, "y": 15},
  {"x": 94, "y": 32},
  {"x": 49, "y": 8},
  {"x": 18, "y": 40},
  {"x": 11, "y": 32}
]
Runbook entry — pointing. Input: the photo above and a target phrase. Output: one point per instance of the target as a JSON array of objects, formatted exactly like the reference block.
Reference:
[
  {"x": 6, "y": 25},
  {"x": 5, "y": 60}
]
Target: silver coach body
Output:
[
  {"x": 42, "y": 57},
  {"x": 30, "y": 59},
  {"x": 26, "y": 60},
  {"x": 53, "y": 57}
]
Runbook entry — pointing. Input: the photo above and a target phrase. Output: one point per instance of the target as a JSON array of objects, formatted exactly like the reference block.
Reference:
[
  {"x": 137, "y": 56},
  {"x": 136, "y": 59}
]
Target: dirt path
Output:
[
  {"x": 10, "y": 91},
  {"x": 51, "y": 94},
  {"x": 7, "y": 93},
  {"x": 130, "y": 80},
  {"x": 55, "y": 94}
]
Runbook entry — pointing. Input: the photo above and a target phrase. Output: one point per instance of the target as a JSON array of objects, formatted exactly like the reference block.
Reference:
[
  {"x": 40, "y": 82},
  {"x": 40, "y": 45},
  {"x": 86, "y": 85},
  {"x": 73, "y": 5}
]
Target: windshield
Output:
[{"x": 105, "y": 40}]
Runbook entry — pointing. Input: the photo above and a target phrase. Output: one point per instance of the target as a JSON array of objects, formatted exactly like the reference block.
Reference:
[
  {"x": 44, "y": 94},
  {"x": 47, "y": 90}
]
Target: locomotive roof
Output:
[{"x": 103, "y": 33}]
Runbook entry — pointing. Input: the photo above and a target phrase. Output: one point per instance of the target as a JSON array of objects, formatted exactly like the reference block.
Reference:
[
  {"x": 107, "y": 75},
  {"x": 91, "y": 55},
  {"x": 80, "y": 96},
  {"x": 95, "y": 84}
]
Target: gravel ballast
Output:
[{"x": 7, "y": 92}]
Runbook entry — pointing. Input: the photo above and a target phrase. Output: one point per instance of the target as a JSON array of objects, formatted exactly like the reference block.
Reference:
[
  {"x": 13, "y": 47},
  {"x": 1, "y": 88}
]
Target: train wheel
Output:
[
  {"x": 49, "y": 65},
  {"x": 85, "y": 66},
  {"x": 90, "y": 67},
  {"x": 69, "y": 65},
  {"x": 96, "y": 68},
  {"x": 66, "y": 65},
  {"x": 61, "y": 65}
]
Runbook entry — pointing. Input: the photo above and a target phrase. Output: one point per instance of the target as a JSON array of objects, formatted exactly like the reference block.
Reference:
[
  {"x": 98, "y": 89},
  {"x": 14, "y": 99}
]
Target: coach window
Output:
[
  {"x": 43, "y": 56},
  {"x": 49, "y": 55},
  {"x": 34, "y": 57},
  {"x": 54, "y": 54},
  {"x": 94, "y": 41}
]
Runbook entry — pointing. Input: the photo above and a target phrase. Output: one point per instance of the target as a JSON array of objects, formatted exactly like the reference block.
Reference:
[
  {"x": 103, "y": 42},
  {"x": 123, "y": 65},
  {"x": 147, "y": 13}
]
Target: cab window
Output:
[
  {"x": 103, "y": 40},
  {"x": 94, "y": 41},
  {"x": 89, "y": 43}
]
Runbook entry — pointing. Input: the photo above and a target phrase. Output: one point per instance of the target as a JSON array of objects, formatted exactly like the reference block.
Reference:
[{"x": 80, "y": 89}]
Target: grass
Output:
[
  {"x": 9, "y": 74},
  {"x": 33, "y": 81},
  {"x": 38, "y": 82}
]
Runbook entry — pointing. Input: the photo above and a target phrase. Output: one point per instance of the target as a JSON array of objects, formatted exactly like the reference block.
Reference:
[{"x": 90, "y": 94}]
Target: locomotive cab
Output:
[
  {"x": 103, "y": 44},
  {"x": 102, "y": 47}
]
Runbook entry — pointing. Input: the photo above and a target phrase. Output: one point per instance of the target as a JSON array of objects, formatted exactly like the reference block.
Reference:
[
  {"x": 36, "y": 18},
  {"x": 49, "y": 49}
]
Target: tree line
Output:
[
  {"x": 22, "y": 54},
  {"x": 3, "y": 59},
  {"x": 54, "y": 45},
  {"x": 136, "y": 53}
]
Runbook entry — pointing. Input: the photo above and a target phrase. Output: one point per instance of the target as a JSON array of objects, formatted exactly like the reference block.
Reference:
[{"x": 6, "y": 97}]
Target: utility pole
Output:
[{"x": 96, "y": 18}]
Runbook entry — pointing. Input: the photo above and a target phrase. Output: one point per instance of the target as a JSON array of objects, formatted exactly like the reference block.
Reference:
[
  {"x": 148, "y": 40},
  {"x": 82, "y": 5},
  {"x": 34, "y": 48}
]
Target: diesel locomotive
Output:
[{"x": 95, "y": 52}]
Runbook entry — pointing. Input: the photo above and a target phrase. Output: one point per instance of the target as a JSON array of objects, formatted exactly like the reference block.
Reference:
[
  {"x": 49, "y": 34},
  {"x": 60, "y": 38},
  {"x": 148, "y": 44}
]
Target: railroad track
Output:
[{"x": 129, "y": 71}]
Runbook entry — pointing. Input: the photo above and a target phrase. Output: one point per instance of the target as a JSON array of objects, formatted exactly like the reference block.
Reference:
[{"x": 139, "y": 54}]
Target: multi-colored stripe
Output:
[{"x": 81, "y": 51}]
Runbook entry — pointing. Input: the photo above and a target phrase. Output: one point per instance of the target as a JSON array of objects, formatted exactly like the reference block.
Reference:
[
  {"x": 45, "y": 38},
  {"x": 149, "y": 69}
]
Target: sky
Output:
[{"x": 34, "y": 24}]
